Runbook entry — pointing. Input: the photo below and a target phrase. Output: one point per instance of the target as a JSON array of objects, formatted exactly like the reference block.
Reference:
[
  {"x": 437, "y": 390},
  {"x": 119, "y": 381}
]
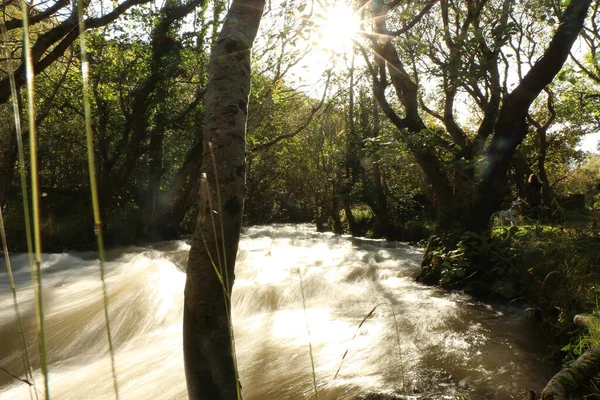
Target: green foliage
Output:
[
  {"x": 481, "y": 265},
  {"x": 555, "y": 269},
  {"x": 559, "y": 274},
  {"x": 146, "y": 91},
  {"x": 584, "y": 179}
]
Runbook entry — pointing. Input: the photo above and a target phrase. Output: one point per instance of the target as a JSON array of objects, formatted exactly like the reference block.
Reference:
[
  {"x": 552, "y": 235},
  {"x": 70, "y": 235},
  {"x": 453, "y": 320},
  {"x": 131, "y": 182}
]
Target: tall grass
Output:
[
  {"x": 26, "y": 211},
  {"x": 35, "y": 246},
  {"x": 310, "y": 349},
  {"x": 397, "y": 331},
  {"x": 93, "y": 186},
  {"x": 37, "y": 263},
  {"x": 19, "y": 139},
  {"x": 25, "y": 353}
]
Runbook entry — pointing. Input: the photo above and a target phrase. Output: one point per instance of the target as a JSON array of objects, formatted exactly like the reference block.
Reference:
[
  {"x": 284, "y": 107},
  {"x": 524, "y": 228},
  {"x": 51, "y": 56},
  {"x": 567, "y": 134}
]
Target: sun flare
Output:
[{"x": 340, "y": 26}]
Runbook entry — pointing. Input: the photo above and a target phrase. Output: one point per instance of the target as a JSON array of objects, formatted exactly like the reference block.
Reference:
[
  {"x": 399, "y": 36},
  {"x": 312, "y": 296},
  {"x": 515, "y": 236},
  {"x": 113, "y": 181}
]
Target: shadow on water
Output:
[{"x": 419, "y": 342}]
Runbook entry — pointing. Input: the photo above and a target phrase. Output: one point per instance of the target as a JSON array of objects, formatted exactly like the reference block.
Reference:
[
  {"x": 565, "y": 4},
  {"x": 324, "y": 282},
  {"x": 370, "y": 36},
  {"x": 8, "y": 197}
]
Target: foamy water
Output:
[{"x": 419, "y": 342}]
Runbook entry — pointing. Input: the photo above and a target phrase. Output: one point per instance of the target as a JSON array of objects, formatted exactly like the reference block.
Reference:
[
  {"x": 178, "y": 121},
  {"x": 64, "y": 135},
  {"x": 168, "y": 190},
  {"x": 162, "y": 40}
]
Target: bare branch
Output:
[{"x": 414, "y": 21}]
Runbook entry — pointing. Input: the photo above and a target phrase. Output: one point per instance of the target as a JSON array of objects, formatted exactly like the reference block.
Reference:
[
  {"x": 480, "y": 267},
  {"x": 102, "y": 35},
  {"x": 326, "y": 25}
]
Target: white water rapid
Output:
[{"x": 419, "y": 343}]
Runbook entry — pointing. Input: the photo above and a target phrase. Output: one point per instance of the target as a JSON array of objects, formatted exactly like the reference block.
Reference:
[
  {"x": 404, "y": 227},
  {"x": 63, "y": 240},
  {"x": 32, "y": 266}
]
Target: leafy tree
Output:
[
  {"x": 59, "y": 30},
  {"x": 467, "y": 39},
  {"x": 584, "y": 179}
]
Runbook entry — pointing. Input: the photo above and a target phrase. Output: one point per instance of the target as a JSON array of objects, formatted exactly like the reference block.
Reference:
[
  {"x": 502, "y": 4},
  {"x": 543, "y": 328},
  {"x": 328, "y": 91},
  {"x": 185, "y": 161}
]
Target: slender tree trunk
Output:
[
  {"x": 208, "y": 352},
  {"x": 382, "y": 214},
  {"x": 353, "y": 154},
  {"x": 521, "y": 173},
  {"x": 182, "y": 205},
  {"x": 152, "y": 204},
  {"x": 335, "y": 216},
  {"x": 547, "y": 194},
  {"x": 349, "y": 216}
]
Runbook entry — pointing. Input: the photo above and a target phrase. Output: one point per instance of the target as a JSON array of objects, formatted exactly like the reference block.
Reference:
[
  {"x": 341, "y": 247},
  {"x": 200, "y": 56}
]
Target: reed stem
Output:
[
  {"x": 94, "y": 188},
  {"x": 20, "y": 152},
  {"x": 310, "y": 349},
  {"x": 24, "y": 196},
  {"x": 19, "y": 321},
  {"x": 37, "y": 264},
  {"x": 222, "y": 267}
]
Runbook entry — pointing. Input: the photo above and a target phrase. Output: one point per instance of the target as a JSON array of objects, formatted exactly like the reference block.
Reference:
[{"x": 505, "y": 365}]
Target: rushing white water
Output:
[{"x": 419, "y": 342}]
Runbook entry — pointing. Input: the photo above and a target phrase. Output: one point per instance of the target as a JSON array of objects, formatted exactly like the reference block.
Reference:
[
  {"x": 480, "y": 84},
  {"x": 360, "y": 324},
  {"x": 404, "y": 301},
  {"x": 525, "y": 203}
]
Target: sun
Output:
[
  {"x": 340, "y": 25},
  {"x": 334, "y": 28}
]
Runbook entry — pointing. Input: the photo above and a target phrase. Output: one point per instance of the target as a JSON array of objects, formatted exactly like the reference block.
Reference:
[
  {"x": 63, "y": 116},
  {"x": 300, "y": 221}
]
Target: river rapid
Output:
[{"x": 419, "y": 343}]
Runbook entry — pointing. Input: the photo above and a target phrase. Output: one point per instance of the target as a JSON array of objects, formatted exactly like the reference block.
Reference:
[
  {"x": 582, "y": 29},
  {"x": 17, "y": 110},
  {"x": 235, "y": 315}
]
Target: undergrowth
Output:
[{"x": 555, "y": 269}]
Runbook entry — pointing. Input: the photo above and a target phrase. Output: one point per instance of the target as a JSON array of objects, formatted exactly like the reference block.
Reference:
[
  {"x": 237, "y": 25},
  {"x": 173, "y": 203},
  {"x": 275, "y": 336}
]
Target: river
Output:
[{"x": 419, "y": 343}]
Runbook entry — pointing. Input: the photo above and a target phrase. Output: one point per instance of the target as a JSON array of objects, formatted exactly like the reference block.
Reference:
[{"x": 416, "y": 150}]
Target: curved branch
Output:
[
  {"x": 305, "y": 124},
  {"x": 60, "y": 38},
  {"x": 414, "y": 21},
  {"x": 39, "y": 17}
]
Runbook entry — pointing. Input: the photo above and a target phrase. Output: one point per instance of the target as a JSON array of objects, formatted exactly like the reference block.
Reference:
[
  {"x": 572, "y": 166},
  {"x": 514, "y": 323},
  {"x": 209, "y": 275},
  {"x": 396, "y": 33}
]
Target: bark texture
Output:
[
  {"x": 573, "y": 376},
  {"x": 209, "y": 363}
]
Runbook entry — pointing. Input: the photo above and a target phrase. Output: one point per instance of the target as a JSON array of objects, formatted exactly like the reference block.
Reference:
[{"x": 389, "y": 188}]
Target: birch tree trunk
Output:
[{"x": 208, "y": 351}]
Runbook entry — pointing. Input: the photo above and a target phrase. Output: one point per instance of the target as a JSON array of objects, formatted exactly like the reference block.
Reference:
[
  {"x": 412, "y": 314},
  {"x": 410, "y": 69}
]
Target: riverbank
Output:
[{"x": 553, "y": 268}]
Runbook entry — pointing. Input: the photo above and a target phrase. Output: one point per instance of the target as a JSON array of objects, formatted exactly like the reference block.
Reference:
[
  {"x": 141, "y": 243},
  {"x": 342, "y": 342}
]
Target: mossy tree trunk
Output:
[
  {"x": 573, "y": 377},
  {"x": 208, "y": 352}
]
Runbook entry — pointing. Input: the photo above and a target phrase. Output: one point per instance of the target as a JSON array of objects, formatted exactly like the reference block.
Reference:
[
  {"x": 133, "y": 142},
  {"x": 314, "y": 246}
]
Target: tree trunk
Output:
[
  {"x": 152, "y": 204},
  {"x": 521, "y": 173},
  {"x": 353, "y": 154},
  {"x": 547, "y": 193},
  {"x": 572, "y": 377},
  {"x": 382, "y": 215},
  {"x": 511, "y": 126},
  {"x": 335, "y": 216},
  {"x": 208, "y": 352},
  {"x": 354, "y": 231}
]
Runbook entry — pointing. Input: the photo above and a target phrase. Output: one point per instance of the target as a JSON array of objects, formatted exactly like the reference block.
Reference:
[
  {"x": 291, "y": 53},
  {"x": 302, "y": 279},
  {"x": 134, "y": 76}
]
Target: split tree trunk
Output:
[
  {"x": 209, "y": 362},
  {"x": 511, "y": 127}
]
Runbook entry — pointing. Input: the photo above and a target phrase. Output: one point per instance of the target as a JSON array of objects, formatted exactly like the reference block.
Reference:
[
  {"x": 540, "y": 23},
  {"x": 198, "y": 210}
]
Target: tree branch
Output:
[
  {"x": 64, "y": 34},
  {"x": 39, "y": 17}
]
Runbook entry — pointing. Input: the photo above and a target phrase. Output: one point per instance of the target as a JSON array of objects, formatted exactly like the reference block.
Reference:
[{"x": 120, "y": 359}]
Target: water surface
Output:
[{"x": 419, "y": 342}]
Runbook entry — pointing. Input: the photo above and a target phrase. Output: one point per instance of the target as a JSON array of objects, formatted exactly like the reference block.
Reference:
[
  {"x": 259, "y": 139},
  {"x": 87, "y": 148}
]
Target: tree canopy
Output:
[{"x": 432, "y": 107}]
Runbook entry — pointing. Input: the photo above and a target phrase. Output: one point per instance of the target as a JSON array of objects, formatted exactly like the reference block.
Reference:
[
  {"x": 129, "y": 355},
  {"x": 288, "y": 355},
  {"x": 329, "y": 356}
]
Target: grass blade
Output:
[
  {"x": 25, "y": 199},
  {"x": 369, "y": 314},
  {"x": 310, "y": 349},
  {"x": 37, "y": 264},
  {"x": 94, "y": 188},
  {"x": 25, "y": 352}
]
